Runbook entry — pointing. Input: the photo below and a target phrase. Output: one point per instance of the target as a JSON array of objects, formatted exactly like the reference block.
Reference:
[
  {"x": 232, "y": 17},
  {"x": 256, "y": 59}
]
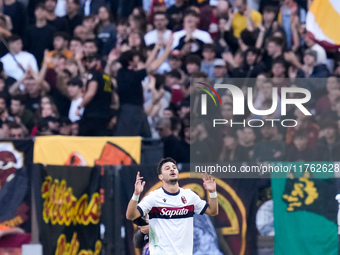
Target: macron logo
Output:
[{"x": 170, "y": 213}]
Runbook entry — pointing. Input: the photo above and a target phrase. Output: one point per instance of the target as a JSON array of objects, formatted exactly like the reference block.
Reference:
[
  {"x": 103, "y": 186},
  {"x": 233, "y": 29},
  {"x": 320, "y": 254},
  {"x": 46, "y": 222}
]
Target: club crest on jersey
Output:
[
  {"x": 184, "y": 200},
  {"x": 164, "y": 200}
]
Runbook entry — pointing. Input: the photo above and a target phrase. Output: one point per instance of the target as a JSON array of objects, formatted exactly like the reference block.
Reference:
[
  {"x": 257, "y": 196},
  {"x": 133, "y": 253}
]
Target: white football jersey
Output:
[{"x": 171, "y": 220}]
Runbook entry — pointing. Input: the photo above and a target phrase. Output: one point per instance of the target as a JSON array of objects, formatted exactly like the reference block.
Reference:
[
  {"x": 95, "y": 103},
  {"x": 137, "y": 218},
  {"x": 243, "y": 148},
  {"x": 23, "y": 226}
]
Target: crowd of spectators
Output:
[{"x": 96, "y": 68}]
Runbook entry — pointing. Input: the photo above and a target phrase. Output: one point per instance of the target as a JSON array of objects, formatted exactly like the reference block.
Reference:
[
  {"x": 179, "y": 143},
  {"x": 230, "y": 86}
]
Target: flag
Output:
[
  {"x": 320, "y": 22},
  {"x": 68, "y": 208},
  {"x": 305, "y": 215},
  {"x": 87, "y": 151},
  {"x": 16, "y": 156}
]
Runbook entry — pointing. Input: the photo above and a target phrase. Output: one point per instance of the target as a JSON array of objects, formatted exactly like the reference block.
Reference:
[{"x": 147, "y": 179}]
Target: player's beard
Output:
[{"x": 172, "y": 181}]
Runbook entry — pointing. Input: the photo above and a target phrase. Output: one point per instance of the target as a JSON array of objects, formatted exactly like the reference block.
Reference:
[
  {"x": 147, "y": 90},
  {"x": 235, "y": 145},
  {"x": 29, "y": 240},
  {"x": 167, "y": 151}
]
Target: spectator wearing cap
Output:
[
  {"x": 172, "y": 81},
  {"x": 176, "y": 13},
  {"x": 91, "y": 7},
  {"x": 310, "y": 68},
  {"x": 220, "y": 70},
  {"x": 40, "y": 30},
  {"x": 244, "y": 18},
  {"x": 58, "y": 23},
  {"x": 190, "y": 39},
  {"x": 207, "y": 64},
  {"x": 328, "y": 147},
  {"x": 73, "y": 16},
  {"x": 96, "y": 100},
  {"x": 75, "y": 93},
  {"x": 16, "y": 62}
]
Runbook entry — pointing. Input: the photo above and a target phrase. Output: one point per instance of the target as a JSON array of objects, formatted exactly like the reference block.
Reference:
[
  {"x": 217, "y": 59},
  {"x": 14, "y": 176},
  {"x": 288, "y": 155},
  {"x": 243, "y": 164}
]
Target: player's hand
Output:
[
  {"x": 139, "y": 185},
  {"x": 209, "y": 183}
]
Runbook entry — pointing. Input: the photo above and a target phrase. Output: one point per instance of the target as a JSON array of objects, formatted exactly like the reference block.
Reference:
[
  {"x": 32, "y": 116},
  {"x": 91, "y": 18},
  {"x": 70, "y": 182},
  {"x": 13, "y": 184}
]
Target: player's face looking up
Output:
[{"x": 169, "y": 173}]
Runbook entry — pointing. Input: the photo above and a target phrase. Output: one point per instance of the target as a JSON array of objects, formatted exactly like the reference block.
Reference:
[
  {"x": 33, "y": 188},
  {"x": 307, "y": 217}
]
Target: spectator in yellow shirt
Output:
[{"x": 245, "y": 18}]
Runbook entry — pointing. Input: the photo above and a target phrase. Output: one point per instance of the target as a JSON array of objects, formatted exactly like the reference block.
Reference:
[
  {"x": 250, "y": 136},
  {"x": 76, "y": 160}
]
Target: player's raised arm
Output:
[
  {"x": 132, "y": 212},
  {"x": 210, "y": 186}
]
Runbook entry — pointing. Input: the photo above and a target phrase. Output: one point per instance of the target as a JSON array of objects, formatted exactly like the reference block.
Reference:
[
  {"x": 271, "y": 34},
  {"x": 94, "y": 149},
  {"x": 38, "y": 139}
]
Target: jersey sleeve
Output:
[
  {"x": 200, "y": 205},
  {"x": 146, "y": 204}
]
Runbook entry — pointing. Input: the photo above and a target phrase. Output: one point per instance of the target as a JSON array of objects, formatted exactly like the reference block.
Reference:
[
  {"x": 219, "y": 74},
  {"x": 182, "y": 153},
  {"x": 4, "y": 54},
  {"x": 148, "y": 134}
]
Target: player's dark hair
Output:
[{"x": 162, "y": 162}]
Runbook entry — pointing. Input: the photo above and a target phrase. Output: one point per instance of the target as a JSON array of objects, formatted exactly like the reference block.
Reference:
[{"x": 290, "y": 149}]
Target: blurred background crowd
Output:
[{"x": 123, "y": 68}]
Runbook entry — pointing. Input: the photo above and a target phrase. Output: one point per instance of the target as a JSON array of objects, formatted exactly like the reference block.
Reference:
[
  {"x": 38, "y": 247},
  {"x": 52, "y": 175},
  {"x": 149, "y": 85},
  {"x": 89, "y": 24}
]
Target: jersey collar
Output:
[{"x": 171, "y": 194}]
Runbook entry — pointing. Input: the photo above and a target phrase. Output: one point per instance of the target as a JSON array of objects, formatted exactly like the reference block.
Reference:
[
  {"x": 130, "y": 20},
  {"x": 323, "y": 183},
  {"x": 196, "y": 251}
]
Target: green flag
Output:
[{"x": 305, "y": 214}]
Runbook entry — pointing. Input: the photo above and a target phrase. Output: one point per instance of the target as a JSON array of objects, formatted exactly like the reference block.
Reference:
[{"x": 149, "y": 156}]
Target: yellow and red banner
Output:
[
  {"x": 87, "y": 151},
  {"x": 321, "y": 23}
]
